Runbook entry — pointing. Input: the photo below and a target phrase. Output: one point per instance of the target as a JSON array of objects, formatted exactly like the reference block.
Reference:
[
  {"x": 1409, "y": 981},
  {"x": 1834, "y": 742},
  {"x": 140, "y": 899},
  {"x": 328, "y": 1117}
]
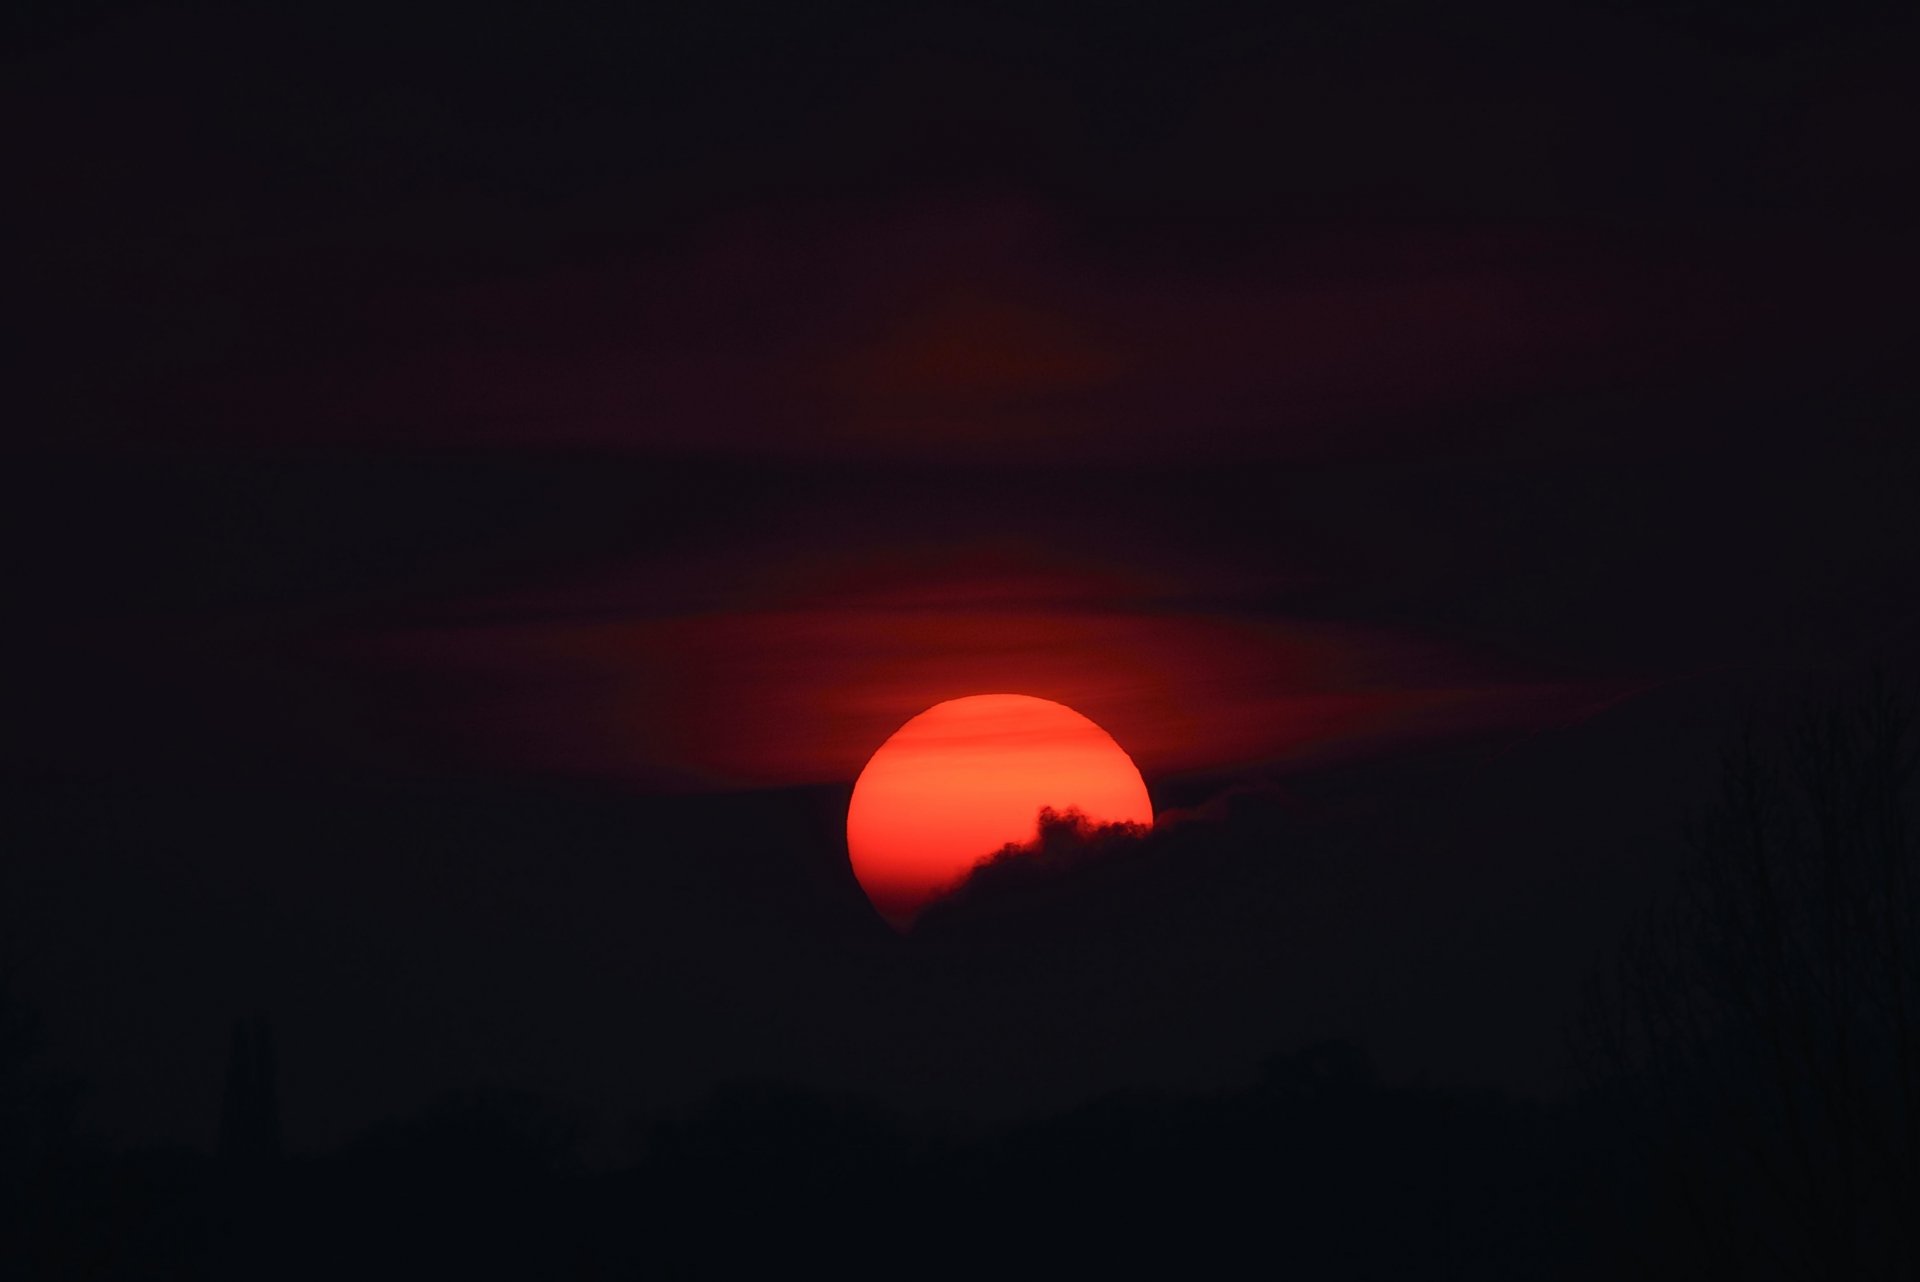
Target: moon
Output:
[{"x": 964, "y": 778}]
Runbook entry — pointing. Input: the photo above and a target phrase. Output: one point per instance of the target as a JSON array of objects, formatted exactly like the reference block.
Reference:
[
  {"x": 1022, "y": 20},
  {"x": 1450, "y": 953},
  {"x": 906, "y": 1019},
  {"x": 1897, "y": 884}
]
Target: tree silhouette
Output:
[{"x": 1761, "y": 1036}]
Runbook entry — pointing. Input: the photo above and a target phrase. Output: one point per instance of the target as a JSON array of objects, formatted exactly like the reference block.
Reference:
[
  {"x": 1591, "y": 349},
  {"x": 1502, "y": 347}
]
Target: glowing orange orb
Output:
[{"x": 966, "y": 777}]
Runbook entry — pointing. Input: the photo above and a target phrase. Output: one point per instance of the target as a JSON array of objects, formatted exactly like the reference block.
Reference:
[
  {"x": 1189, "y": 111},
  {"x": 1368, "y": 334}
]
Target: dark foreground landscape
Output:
[{"x": 1744, "y": 1101}]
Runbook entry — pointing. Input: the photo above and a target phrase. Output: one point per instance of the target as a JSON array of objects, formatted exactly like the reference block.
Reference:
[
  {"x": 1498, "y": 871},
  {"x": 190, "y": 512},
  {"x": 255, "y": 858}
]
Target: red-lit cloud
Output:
[{"x": 803, "y": 690}]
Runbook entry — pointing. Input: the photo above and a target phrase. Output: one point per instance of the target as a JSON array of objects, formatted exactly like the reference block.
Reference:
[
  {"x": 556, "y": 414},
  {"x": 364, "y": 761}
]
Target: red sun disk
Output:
[{"x": 967, "y": 776}]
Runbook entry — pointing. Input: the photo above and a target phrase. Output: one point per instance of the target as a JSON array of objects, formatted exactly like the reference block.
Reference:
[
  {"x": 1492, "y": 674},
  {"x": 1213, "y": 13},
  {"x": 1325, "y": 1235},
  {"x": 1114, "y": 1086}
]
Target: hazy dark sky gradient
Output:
[{"x": 478, "y": 483}]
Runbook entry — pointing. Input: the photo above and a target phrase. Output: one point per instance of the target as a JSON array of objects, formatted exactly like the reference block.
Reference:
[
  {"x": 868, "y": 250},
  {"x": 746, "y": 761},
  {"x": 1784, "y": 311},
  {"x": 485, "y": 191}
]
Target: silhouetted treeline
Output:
[
  {"x": 1316, "y": 1167},
  {"x": 1759, "y": 1041}
]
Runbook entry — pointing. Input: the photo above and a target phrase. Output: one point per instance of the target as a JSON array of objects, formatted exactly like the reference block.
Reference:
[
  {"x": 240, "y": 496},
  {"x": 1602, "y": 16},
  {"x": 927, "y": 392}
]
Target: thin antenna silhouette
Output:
[{"x": 250, "y": 1107}]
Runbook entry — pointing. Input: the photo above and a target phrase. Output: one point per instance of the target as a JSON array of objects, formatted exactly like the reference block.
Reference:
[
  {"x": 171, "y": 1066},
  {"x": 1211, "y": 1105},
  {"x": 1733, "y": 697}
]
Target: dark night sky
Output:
[{"x": 479, "y": 483}]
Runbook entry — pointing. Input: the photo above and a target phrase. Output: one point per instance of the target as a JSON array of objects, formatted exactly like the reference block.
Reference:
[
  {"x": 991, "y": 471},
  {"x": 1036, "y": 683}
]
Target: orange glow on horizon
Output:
[{"x": 967, "y": 776}]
